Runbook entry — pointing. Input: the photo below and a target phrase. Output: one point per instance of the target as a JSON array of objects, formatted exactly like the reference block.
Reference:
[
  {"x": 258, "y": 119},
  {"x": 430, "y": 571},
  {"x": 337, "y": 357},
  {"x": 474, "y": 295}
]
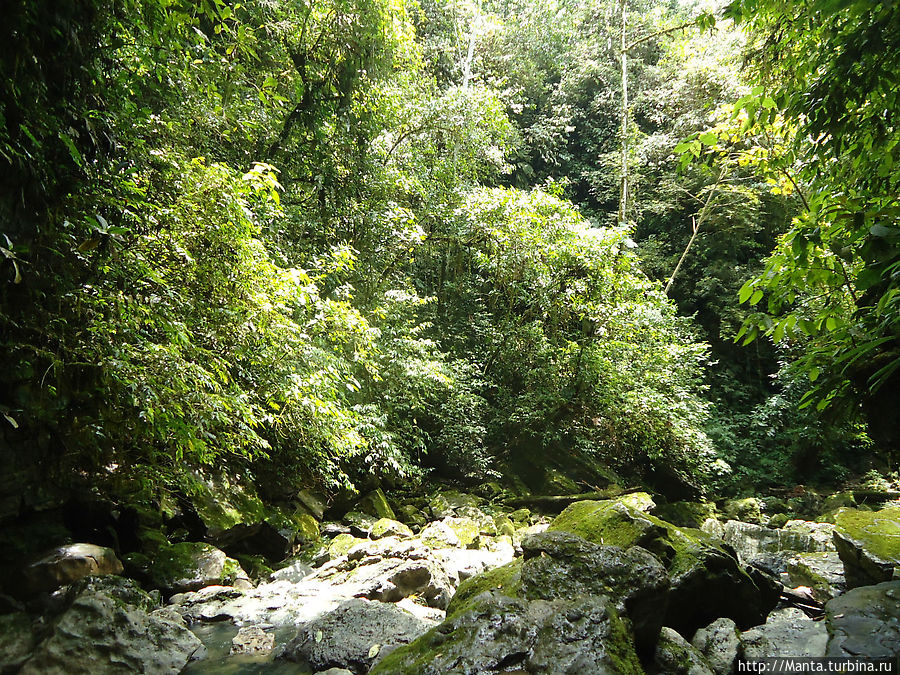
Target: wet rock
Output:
[
  {"x": 375, "y": 504},
  {"x": 69, "y": 563},
  {"x": 500, "y": 634},
  {"x": 719, "y": 642},
  {"x": 706, "y": 580},
  {"x": 99, "y": 632},
  {"x": 676, "y": 656},
  {"x": 189, "y": 566},
  {"x": 869, "y": 544},
  {"x": 865, "y": 621},
  {"x": 563, "y": 565},
  {"x": 252, "y": 640},
  {"x": 353, "y": 636},
  {"x": 787, "y": 632},
  {"x": 385, "y": 527}
]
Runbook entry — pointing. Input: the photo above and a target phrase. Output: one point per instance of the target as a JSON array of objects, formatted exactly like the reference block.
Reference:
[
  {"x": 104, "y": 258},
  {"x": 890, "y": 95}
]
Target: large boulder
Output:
[
  {"x": 750, "y": 541},
  {"x": 865, "y": 621},
  {"x": 707, "y": 581},
  {"x": 353, "y": 636},
  {"x": 685, "y": 514},
  {"x": 375, "y": 504},
  {"x": 17, "y": 640},
  {"x": 564, "y": 565},
  {"x": 106, "y": 627},
  {"x": 787, "y": 632},
  {"x": 189, "y": 566},
  {"x": 69, "y": 563},
  {"x": 495, "y": 633},
  {"x": 869, "y": 544},
  {"x": 822, "y": 573}
]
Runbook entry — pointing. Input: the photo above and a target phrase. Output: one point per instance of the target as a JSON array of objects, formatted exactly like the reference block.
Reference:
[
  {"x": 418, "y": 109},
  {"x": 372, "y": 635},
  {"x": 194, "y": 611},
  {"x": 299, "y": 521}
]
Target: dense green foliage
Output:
[{"x": 335, "y": 241}]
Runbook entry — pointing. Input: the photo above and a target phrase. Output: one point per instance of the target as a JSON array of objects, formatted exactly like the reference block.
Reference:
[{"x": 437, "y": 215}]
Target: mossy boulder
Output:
[
  {"x": 385, "y": 527},
  {"x": 821, "y": 572},
  {"x": 506, "y": 580},
  {"x": 868, "y": 543},
  {"x": 69, "y": 563},
  {"x": 375, "y": 504},
  {"x": 495, "y": 633},
  {"x": 707, "y": 580},
  {"x": 445, "y": 504},
  {"x": 685, "y": 514},
  {"x": 342, "y": 543},
  {"x": 748, "y": 510},
  {"x": 189, "y": 566},
  {"x": 564, "y": 565}
]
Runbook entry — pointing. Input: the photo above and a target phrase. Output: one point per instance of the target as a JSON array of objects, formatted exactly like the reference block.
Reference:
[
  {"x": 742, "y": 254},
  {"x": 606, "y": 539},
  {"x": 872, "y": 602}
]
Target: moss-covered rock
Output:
[
  {"x": 496, "y": 633},
  {"x": 376, "y": 505},
  {"x": 676, "y": 656},
  {"x": 869, "y": 544},
  {"x": 707, "y": 580},
  {"x": 821, "y": 572},
  {"x": 779, "y": 520},
  {"x": 445, "y": 504},
  {"x": 557, "y": 483},
  {"x": 189, "y": 566},
  {"x": 506, "y": 579},
  {"x": 685, "y": 514},
  {"x": 748, "y": 510},
  {"x": 385, "y": 527},
  {"x": 520, "y": 516},
  {"x": 343, "y": 543}
]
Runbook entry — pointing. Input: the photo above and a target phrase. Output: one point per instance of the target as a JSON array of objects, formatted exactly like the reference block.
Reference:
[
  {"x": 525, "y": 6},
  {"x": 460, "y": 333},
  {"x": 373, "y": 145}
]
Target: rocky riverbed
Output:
[{"x": 462, "y": 583}]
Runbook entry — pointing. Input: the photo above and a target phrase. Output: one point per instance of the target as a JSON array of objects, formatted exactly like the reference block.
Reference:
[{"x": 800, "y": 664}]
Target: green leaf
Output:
[
  {"x": 745, "y": 292},
  {"x": 756, "y": 297},
  {"x": 709, "y": 138}
]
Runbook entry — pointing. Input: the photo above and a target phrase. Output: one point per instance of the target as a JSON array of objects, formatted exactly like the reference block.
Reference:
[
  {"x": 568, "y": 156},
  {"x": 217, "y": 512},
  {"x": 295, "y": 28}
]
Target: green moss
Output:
[
  {"x": 466, "y": 530},
  {"x": 342, "y": 543},
  {"x": 686, "y": 514},
  {"x": 231, "y": 571},
  {"x": 384, "y": 527},
  {"x": 606, "y": 522},
  {"x": 877, "y": 532},
  {"x": 507, "y": 579},
  {"x": 307, "y": 527},
  {"x": 376, "y": 504},
  {"x": 748, "y": 510},
  {"x": 256, "y": 566}
]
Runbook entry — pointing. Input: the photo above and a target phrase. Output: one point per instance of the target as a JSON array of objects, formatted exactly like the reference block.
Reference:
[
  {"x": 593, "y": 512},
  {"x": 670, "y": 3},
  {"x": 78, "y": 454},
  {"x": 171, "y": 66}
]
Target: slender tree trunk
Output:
[{"x": 623, "y": 190}]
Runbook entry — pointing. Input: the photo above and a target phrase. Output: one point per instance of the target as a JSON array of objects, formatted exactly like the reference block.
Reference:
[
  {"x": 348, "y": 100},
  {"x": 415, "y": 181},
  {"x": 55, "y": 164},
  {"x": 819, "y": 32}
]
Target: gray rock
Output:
[
  {"x": 293, "y": 573},
  {"x": 439, "y": 534},
  {"x": 360, "y": 523},
  {"x": 352, "y": 636},
  {"x": 252, "y": 640},
  {"x": 69, "y": 563},
  {"x": 822, "y": 573},
  {"x": 676, "y": 656},
  {"x": 335, "y": 671},
  {"x": 496, "y": 633},
  {"x": 821, "y": 533},
  {"x": 564, "y": 565},
  {"x": 312, "y": 502},
  {"x": 750, "y": 541},
  {"x": 865, "y": 621},
  {"x": 719, "y": 643},
  {"x": 190, "y": 566},
  {"x": 787, "y": 632},
  {"x": 98, "y": 632}
]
